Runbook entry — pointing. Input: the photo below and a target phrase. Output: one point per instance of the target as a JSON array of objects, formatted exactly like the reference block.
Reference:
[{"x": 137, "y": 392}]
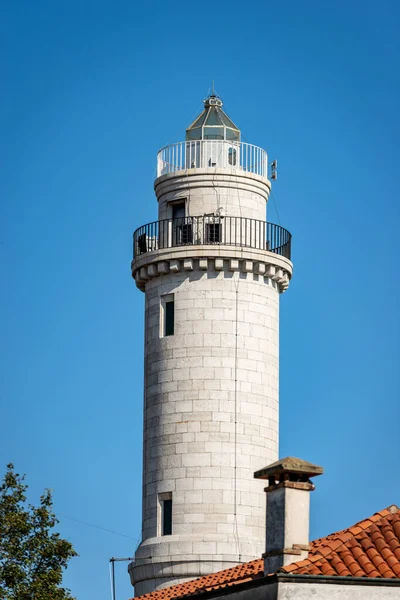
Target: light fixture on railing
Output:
[
  {"x": 274, "y": 170},
  {"x": 220, "y": 213}
]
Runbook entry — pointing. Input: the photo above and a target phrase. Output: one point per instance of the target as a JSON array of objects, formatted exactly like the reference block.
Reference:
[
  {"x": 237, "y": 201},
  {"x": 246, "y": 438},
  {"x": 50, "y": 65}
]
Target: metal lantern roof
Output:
[{"x": 213, "y": 123}]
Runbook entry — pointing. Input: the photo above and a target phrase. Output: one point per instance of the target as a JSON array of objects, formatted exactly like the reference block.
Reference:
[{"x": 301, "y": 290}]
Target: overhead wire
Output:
[
  {"x": 100, "y": 527},
  {"x": 275, "y": 206},
  {"x": 235, "y": 503}
]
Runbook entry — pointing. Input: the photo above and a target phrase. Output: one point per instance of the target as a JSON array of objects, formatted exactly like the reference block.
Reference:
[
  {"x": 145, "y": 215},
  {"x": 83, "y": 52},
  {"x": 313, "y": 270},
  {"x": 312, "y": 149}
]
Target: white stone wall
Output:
[
  {"x": 287, "y": 526},
  {"x": 336, "y": 591},
  {"x": 204, "y": 434},
  {"x": 330, "y": 589},
  {"x": 241, "y": 195}
]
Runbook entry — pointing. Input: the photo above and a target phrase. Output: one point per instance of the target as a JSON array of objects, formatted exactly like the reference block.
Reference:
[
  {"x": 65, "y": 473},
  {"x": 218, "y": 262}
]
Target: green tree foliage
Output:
[{"x": 32, "y": 556}]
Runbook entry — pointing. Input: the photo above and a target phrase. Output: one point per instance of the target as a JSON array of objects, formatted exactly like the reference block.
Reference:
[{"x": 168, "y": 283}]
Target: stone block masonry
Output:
[{"x": 210, "y": 412}]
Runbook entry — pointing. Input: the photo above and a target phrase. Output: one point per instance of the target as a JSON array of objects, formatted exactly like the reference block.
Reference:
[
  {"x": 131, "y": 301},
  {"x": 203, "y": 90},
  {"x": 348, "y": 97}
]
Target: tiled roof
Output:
[
  {"x": 239, "y": 574},
  {"x": 370, "y": 548}
]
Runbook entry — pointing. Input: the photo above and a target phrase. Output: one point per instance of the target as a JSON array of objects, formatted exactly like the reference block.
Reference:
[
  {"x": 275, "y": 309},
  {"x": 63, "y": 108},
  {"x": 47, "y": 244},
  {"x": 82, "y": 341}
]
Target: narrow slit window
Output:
[
  {"x": 165, "y": 513},
  {"x": 167, "y": 321},
  {"x": 169, "y": 317},
  {"x": 167, "y": 517}
]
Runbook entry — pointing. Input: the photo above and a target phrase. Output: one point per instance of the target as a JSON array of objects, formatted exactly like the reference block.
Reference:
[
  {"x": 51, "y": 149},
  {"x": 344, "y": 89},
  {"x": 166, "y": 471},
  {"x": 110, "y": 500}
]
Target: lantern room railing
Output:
[
  {"x": 212, "y": 154},
  {"x": 211, "y": 230}
]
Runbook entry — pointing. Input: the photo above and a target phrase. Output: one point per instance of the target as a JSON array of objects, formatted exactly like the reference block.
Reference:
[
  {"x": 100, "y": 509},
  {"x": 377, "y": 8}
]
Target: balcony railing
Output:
[
  {"x": 211, "y": 154},
  {"x": 211, "y": 230}
]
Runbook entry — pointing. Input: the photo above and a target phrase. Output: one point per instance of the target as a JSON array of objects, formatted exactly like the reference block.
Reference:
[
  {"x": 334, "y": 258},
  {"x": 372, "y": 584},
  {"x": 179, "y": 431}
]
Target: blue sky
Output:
[{"x": 91, "y": 91}]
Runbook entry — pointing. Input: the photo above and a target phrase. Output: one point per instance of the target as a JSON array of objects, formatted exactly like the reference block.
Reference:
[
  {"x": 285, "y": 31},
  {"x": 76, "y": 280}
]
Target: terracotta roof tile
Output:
[
  {"x": 239, "y": 574},
  {"x": 371, "y": 548}
]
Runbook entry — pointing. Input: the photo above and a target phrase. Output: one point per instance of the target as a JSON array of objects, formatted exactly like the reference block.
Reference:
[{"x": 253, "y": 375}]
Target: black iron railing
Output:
[{"x": 211, "y": 230}]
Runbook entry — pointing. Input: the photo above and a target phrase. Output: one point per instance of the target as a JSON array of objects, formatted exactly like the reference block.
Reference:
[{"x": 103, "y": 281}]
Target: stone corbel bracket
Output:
[{"x": 272, "y": 268}]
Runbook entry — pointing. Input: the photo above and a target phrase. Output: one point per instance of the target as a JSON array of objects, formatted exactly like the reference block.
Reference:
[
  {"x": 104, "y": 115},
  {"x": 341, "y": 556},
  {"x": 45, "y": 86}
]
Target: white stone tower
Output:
[{"x": 212, "y": 270}]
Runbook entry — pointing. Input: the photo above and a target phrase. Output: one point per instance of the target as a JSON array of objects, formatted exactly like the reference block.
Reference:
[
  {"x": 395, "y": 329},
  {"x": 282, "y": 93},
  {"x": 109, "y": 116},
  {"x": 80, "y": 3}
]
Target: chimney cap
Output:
[{"x": 289, "y": 466}]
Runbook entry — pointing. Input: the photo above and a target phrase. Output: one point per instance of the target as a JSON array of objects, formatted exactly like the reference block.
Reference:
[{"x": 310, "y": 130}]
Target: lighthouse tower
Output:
[{"x": 212, "y": 269}]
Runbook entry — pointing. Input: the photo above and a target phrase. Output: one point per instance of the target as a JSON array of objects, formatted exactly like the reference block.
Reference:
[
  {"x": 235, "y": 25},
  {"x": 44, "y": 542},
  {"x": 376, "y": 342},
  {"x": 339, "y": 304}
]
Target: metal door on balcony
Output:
[{"x": 181, "y": 226}]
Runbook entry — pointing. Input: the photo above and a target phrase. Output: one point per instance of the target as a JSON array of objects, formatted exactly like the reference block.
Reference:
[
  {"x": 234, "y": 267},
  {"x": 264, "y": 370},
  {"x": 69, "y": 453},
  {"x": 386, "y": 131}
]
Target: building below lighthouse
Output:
[{"x": 212, "y": 269}]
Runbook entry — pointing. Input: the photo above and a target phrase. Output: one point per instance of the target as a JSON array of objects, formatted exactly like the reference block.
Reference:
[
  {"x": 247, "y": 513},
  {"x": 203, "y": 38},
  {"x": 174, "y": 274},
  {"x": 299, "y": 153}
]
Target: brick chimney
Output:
[{"x": 288, "y": 510}]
